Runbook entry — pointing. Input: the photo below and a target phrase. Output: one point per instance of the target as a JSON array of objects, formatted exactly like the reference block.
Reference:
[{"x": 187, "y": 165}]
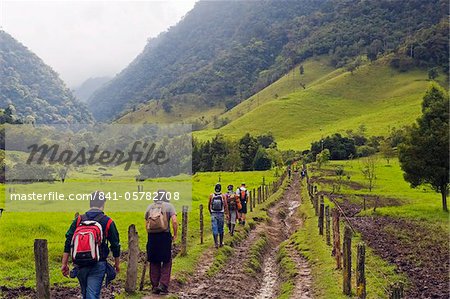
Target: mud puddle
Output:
[{"x": 270, "y": 277}]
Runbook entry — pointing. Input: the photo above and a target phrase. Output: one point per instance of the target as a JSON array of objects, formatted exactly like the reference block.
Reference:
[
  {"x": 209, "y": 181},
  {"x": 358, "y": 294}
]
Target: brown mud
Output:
[
  {"x": 419, "y": 249},
  {"x": 233, "y": 281}
]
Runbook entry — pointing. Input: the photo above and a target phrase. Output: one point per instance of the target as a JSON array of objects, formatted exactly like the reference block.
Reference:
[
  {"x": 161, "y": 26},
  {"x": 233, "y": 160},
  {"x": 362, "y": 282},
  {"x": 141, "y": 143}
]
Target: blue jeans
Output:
[
  {"x": 217, "y": 221},
  {"x": 91, "y": 280}
]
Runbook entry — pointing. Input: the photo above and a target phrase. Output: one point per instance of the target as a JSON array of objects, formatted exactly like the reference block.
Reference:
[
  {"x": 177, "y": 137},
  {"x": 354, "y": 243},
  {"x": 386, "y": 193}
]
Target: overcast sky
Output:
[{"x": 82, "y": 39}]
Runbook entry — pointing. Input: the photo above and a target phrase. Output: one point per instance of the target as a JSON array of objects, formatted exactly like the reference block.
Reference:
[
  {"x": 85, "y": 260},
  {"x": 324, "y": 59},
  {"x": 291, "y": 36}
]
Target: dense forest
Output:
[
  {"x": 223, "y": 52},
  {"x": 34, "y": 89}
]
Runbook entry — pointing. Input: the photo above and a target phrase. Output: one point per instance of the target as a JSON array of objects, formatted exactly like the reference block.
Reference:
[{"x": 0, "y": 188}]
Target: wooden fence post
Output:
[
  {"x": 254, "y": 198},
  {"x": 251, "y": 199},
  {"x": 267, "y": 192},
  {"x": 336, "y": 238},
  {"x": 396, "y": 291},
  {"x": 263, "y": 193},
  {"x": 316, "y": 205},
  {"x": 347, "y": 251},
  {"x": 327, "y": 225},
  {"x": 41, "y": 264},
  {"x": 321, "y": 214},
  {"x": 201, "y": 224},
  {"x": 184, "y": 224},
  {"x": 360, "y": 271},
  {"x": 133, "y": 256}
]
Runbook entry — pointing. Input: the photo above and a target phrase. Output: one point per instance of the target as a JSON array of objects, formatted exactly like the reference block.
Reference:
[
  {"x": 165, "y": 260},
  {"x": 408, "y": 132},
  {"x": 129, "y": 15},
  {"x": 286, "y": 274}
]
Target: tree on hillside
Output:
[
  {"x": 262, "y": 160},
  {"x": 424, "y": 154},
  {"x": 323, "y": 157},
  {"x": 433, "y": 73},
  {"x": 386, "y": 150},
  {"x": 233, "y": 160},
  {"x": 368, "y": 170},
  {"x": 340, "y": 147},
  {"x": 248, "y": 146},
  {"x": 267, "y": 140},
  {"x": 302, "y": 69},
  {"x": 167, "y": 107}
]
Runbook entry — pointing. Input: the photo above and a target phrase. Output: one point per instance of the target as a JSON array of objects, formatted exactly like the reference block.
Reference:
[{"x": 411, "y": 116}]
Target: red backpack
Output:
[{"x": 87, "y": 239}]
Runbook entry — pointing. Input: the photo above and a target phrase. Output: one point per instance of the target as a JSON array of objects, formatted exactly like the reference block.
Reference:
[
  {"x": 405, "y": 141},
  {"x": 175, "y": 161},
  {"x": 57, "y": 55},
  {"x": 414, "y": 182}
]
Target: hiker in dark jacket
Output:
[
  {"x": 91, "y": 275},
  {"x": 218, "y": 209},
  {"x": 158, "y": 217}
]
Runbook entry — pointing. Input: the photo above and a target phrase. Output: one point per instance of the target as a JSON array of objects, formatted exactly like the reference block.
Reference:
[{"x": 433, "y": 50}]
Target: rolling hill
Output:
[
  {"x": 375, "y": 95},
  {"x": 223, "y": 52},
  {"x": 34, "y": 88}
]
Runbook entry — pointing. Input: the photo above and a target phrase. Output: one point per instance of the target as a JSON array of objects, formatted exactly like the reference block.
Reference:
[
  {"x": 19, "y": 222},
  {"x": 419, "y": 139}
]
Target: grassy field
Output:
[
  {"x": 420, "y": 203},
  {"x": 19, "y": 229},
  {"x": 327, "y": 281},
  {"x": 374, "y": 95}
]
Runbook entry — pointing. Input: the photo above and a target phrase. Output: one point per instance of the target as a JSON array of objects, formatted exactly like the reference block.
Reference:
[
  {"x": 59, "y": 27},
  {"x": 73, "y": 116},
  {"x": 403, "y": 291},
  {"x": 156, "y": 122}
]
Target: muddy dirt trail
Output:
[{"x": 233, "y": 281}]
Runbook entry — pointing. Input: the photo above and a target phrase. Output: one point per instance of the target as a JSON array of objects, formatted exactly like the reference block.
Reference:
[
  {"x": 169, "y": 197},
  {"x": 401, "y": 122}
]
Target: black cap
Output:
[
  {"x": 218, "y": 187},
  {"x": 230, "y": 187}
]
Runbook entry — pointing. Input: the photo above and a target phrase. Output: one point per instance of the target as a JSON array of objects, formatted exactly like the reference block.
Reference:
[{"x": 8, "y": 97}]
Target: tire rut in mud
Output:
[{"x": 233, "y": 281}]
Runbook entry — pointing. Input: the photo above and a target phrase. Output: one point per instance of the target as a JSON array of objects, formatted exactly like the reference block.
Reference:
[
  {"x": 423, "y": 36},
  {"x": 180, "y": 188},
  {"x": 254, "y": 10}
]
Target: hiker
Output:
[
  {"x": 87, "y": 243},
  {"x": 158, "y": 217},
  {"x": 218, "y": 208},
  {"x": 234, "y": 205},
  {"x": 289, "y": 171},
  {"x": 303, "y": 174},
  {"x": 242, "y": 194}
]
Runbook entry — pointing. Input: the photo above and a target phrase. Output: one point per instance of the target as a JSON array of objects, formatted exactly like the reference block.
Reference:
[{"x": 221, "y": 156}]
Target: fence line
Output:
[{"x": 312, "y": 192}]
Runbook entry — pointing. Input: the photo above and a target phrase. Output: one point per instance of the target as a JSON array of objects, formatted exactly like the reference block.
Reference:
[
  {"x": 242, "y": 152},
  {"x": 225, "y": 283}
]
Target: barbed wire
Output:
[{"x": 377, "y": 270}]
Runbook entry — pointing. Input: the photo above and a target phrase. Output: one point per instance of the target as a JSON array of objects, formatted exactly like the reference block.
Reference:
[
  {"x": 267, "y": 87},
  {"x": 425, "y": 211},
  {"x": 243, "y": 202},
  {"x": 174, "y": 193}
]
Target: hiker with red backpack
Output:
[
  {"x": 242, "y": 193},
  {"x": 87, "y": 244},
  {"x": 234, "y": 205},
  {"x": 218, "y": 208},
  {"x": 158, "y": 217}
]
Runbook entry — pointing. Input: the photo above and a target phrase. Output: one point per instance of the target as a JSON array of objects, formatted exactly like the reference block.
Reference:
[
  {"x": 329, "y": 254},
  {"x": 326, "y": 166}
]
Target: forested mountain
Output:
[
  {"x": 223, "y": 52},
  {"x": 34, "y": 89},
  {"x": 88, "y": 87}
]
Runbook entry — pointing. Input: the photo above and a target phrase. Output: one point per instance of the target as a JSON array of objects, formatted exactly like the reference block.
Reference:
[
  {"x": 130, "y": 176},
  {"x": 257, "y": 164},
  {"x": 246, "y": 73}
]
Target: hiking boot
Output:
[
  {"x": 221, "y": 240},
  {"x": 216, "y": 243},
  {"x": 163, "y": 290},
  {"x": 156, "y": 290},
  {"x": 243, "y": 222}
]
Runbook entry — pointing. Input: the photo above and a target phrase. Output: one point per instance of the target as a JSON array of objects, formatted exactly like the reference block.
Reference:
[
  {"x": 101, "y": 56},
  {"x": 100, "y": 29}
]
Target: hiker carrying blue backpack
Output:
[{"x": 218, "y": 208}]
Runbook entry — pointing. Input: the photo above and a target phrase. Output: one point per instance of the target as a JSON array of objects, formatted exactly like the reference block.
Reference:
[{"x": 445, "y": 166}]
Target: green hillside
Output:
[
  {"x": 316, "y": 70},
  {"x": 34, "y": 88},
  {"x": 223, "y": 52},
  {"x": 374, "y": 95}
]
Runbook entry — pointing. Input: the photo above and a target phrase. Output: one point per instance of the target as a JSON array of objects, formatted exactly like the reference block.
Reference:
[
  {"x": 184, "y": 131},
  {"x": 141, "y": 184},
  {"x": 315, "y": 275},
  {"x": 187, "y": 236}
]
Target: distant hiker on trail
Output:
[
  {"x": 234, "y": 205},
  {"x": 242, "y": 193},
  {"x": 87, "y": 243},
  {"x": 303, "y": 173},
  {"x": 159, "y": 245},
  {"x": 218, "y": 208}
]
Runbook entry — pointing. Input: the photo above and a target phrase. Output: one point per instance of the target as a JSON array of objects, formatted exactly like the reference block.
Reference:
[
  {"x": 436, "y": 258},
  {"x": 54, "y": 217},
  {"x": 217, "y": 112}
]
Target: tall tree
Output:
[
  {"x": 424, "y": 154},
  {"x": 248, "y": 146}
]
